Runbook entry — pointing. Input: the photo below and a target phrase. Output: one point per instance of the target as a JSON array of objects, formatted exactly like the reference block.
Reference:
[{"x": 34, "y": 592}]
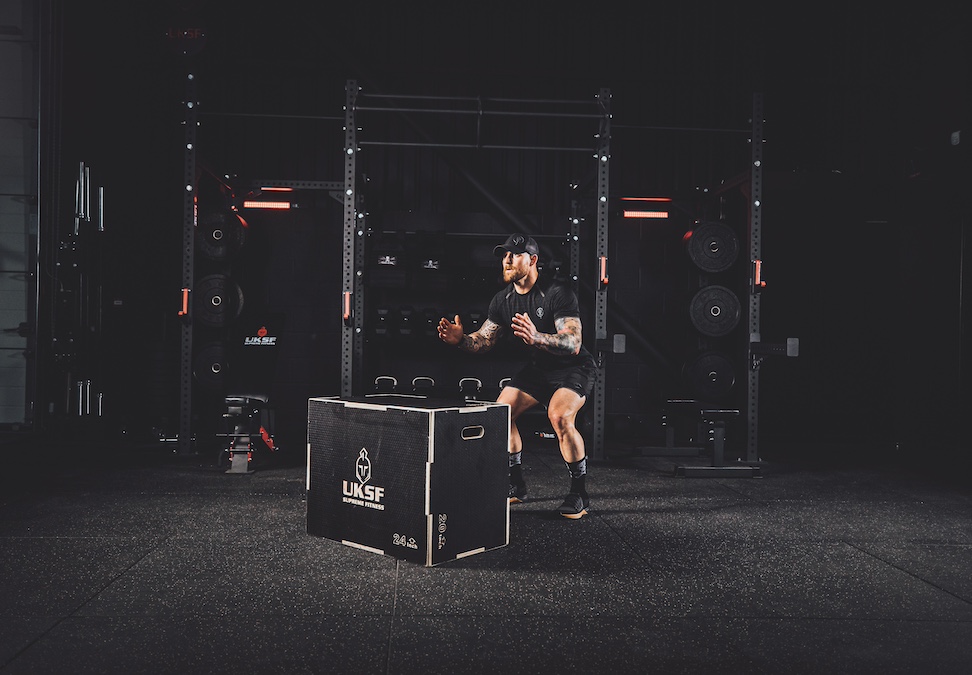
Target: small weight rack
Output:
[{"x": 710, "y": 424}]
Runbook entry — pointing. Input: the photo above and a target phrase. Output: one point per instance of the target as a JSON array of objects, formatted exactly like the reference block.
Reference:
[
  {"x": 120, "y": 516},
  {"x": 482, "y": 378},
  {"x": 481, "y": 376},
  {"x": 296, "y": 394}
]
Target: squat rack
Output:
[
  {"x": 355, "y": 216},
  {"x": 352, "y": 337}
]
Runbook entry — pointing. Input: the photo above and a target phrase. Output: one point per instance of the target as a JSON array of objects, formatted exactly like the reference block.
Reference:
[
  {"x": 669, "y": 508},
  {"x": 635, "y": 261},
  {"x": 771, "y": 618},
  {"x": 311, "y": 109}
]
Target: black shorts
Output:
[{"x": 541, "y": 384}]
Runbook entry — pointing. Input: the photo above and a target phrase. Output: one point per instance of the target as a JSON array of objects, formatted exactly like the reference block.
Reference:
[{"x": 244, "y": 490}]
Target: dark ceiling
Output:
[{"x": 846, "y": 88}]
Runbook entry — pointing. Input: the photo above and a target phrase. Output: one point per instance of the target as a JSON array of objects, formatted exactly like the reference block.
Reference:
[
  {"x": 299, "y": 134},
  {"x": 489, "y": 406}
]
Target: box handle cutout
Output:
[{"x": 472, "y": 433}]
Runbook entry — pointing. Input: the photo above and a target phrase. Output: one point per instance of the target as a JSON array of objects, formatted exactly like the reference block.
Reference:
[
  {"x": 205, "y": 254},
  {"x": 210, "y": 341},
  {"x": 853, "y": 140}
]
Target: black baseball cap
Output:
[{"x": 517, "y": 243}]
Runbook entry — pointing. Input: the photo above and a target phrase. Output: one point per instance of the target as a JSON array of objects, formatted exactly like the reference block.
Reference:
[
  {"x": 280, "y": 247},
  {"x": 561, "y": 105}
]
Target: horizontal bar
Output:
[
  {"x": 647, "y": 128},
  {"x": 297, "y": 184},
  {"x": 492, "y": 234},
  {"x": 422, "y": 97},
  {"x": 473, "y": 145},
  {"x": 453, "y": 111},
  {"x": 478, "y": 235},
  {"x": 512, "y": 113},
  {"x": 542, "y": 100},
  {"x": 273, "y": 115},
  {"x": 477, "y": 99}
]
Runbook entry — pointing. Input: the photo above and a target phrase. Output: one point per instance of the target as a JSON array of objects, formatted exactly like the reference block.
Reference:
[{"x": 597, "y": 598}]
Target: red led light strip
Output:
[
  {"x": 644, "y": 214},
  {"x": 253, "y": 204}
]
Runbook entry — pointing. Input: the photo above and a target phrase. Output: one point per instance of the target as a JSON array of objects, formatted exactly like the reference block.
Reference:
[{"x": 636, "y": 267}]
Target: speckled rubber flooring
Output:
[{"x": 145, "y": 562}]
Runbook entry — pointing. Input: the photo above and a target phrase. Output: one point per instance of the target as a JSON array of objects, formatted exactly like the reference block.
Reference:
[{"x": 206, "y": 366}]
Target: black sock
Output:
[
  {"x": 578, "y": 475},
  {"x": 516, "y": 470}
]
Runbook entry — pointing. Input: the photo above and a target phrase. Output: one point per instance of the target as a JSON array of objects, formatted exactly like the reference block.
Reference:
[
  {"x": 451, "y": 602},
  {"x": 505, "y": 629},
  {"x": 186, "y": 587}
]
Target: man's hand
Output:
[
  {"x": 450, "y": 332},
  {"x": 524, "y": 329},
  {"x": 567, "y": 340}
]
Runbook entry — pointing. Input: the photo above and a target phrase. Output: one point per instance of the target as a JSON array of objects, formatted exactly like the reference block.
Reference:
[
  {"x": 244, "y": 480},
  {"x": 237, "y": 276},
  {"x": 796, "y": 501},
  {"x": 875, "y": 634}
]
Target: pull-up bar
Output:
[
  {"x": 692, "y": 129},
  {"x": 507, "y": 113},
  {"x": 479, "y": 106},
  {"x": 477, "y": 99},
  {"x": 407, "y": 144}
]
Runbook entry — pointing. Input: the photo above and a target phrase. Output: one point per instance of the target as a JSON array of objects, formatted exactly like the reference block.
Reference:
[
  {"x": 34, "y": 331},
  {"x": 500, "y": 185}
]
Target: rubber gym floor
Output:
[{"x": 131, "y": 559}]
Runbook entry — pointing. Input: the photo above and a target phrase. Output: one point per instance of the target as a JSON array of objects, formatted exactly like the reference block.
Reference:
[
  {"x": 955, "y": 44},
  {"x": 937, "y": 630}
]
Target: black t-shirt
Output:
[{"x": 544, "y": 304}]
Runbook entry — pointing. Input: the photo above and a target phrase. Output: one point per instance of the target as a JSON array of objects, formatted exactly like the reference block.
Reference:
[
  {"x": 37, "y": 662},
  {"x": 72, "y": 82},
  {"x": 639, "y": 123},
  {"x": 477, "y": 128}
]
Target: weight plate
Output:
[
  {"x": 218, "y": 300},
  {"x": 209, "y": 366},
  {"x": 713, "y": 247},
  {"x": 715, "y": 311},
  {"x": 220, "y": 234},
  {"x": 710, "y": 376}
]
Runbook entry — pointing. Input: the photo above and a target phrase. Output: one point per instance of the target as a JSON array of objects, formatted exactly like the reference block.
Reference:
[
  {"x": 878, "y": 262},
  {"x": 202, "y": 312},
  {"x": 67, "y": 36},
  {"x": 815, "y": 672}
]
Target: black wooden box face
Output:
[
  {"x": 420, "y": 483},
  {"x": 470, "y": 482}
]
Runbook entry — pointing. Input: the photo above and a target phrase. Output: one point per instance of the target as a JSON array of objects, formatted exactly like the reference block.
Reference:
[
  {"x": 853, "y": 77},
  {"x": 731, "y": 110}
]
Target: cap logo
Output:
[{"x": 518, "y": 240}]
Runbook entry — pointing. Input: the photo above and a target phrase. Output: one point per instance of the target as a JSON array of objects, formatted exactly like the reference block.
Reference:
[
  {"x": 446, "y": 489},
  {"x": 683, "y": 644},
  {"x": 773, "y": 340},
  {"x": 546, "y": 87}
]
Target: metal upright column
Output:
[
  {"x": 574, "y": 245},
  {"x": 755, "y": 253},
  {"x": 603, "y": 157},
  {"x": 352, "y": 334},
  {"x": 188, "y": 246}
]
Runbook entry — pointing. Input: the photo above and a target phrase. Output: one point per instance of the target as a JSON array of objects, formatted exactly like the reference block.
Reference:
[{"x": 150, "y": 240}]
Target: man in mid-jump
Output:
[{"x": 543, "y": 316}]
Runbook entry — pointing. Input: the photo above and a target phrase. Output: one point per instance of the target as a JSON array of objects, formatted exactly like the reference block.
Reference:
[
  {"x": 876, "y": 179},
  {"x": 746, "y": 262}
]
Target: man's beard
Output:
[{"x": 512, "y": 275}]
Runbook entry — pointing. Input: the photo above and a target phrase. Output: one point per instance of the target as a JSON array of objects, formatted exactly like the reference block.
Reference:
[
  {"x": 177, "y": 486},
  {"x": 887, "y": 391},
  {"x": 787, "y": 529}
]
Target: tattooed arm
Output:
[
  {"x": 567, "y": 339},
  {"x": 482, "y": 340}
]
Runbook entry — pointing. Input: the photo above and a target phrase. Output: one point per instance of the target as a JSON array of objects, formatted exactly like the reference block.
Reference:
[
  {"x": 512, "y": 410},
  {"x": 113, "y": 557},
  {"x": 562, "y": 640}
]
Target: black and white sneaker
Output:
[
  {"x": 518, "y": 493},
  {"x": 575, "y": 506}
]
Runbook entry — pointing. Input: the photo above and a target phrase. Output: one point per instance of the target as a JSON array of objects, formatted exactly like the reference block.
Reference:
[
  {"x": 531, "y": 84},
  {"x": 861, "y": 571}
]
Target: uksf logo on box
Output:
[{"x": 359, "y": 493}]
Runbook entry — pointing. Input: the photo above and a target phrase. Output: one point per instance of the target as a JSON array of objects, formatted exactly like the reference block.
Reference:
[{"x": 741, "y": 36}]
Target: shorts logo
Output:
[{"x": 539, "y": 312}]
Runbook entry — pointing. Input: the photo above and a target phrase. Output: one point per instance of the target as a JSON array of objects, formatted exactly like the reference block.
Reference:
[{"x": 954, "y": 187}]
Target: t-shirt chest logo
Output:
[{"x": 539, "y": 312}]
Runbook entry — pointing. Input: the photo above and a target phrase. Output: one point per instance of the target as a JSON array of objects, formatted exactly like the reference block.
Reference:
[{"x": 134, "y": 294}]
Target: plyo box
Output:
[{"x": 419, "y": 479}]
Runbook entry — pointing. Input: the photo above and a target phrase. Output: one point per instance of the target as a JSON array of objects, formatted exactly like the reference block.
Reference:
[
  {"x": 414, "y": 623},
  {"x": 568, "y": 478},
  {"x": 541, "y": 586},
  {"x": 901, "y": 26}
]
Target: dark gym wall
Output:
[{"x": 863, "y": 215}]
